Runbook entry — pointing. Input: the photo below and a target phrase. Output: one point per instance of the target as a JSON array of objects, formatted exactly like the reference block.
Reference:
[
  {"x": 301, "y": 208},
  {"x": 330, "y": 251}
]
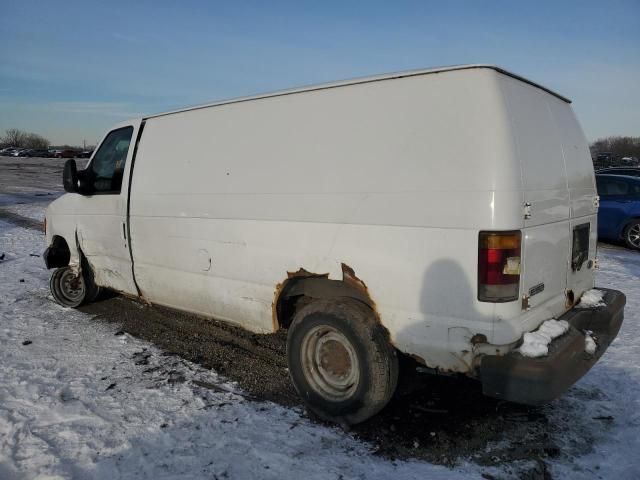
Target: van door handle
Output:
[{"x": 124, "y": 232}]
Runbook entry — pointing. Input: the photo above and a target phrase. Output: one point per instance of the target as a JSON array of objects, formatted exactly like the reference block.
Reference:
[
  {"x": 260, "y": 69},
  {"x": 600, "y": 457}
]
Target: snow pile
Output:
[
  {"x": 591, "y": 299},
  {"x": 590, "y": 345},
  {"x": 553, "y": 328},
  {"x": 536, "y": 344}
]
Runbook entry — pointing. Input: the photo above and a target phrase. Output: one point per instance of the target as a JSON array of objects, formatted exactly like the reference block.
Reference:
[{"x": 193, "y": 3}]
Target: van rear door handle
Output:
[{"x": 124, "y": 232}]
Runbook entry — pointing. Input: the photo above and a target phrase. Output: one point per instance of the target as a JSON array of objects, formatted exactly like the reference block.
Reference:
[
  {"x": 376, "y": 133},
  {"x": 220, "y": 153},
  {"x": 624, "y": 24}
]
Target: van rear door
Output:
[
  {"x": 545, "y": 238},
  {"x": 558, "y": 197},
  {"x": 583, "y": 200}
]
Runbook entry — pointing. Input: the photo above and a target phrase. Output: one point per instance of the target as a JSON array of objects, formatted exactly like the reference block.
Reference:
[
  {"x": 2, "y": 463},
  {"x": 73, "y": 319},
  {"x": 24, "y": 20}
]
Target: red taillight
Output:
[{"x": 498, "y": 266}]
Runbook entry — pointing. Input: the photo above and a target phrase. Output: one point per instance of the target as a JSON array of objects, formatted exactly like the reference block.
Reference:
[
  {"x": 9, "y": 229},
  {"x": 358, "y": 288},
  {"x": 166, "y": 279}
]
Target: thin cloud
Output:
[{"x": 109, "y": 109}]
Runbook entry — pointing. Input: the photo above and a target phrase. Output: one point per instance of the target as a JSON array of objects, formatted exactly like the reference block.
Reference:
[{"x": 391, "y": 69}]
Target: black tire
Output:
[
  {"x": 631, "y": 235},
  {"x": 341, "y": 361},
  {"x": 71, "y": 290}
]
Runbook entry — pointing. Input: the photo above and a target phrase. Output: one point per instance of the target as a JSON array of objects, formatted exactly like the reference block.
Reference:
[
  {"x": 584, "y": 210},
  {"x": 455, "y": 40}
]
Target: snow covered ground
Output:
[
  {"x": 78, "y": 399},
  {"x": 34, "y": 211}
]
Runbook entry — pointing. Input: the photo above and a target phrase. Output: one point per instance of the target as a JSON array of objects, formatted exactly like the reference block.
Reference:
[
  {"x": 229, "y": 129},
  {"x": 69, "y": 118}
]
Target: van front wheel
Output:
[
  {"x": 340, "y": 360},
  {"x": 71, "y": 290}
]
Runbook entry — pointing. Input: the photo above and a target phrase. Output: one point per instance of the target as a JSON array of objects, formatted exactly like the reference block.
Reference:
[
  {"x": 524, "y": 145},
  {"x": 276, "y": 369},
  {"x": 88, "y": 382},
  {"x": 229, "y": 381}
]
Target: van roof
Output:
[{"x": 369, "y": 79}]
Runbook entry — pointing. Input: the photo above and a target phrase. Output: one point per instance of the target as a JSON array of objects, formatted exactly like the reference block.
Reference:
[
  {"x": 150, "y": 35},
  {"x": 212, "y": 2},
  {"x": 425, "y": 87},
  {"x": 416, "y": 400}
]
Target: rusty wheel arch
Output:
[{"x": 301, "y": 287}]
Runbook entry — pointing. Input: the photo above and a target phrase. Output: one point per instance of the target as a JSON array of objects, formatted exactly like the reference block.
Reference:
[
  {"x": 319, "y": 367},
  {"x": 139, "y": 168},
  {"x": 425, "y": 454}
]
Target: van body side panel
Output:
[{"x": 382, "y": 176}]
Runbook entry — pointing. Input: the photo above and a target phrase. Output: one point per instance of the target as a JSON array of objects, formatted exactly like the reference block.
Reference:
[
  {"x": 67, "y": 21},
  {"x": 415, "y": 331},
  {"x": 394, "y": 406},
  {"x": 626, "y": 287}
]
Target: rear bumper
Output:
[{"x": 536, "y": 381}]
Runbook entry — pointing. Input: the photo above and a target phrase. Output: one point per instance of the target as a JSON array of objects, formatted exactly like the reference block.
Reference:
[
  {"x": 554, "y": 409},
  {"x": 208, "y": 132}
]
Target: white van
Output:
[{"x": 435, "y": 214}]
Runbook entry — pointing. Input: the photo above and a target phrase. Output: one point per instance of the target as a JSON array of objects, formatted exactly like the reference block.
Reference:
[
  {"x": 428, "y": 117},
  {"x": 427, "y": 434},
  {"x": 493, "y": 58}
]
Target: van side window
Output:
[{"x": 107, "y": 165}]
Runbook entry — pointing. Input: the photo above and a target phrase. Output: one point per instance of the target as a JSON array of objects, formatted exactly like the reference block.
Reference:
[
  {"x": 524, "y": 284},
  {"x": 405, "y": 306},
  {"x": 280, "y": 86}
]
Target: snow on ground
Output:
[
  {"x": 79, "y": 400},
  {"x": 29, "y": 210},
  {"x": 609, "y": 393},
  {"x": 28, "y": 205}
]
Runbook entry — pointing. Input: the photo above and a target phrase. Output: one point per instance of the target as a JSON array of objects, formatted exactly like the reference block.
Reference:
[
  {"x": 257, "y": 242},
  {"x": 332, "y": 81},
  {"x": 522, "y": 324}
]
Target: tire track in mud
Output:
[
  {"x": 256, "y": 362},
  {"x": 21, "y": 221}
]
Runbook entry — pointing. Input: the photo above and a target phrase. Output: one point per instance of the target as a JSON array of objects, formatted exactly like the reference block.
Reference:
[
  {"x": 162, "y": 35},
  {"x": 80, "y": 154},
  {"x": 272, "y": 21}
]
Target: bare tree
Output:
[
  {"x": 617, "y": 147},
  {"x": 36, "y": 141},
  {"x": 14, "y": 137}
]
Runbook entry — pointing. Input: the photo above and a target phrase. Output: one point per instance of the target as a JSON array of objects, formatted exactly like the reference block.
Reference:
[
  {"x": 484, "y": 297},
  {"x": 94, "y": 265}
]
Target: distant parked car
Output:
[
  {"x": 37, "y": 153},
  {"x": 85, "y": 154},
  {"x": 67, "y": 154},
  {"x": 630, "y": 171},
  {"x": 18, "y": 152},
  {"x": 619, "y": 213}
]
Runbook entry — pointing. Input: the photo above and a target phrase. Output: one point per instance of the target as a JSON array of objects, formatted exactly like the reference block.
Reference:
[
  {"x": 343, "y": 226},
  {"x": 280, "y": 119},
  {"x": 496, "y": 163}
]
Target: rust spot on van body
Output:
[
  {"x": 418, "y": 359},
  {"x": 302, "y": 273},
  {"x": 318, "y": 288},
  {"x": 570, "y": 299},
  {"x": 349, "y": 276},
  {"x": 274, "y": 306}
]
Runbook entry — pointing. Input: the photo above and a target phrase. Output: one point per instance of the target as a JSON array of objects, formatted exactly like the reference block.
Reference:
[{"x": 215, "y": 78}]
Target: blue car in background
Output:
[{"x": 619, "y": 213}]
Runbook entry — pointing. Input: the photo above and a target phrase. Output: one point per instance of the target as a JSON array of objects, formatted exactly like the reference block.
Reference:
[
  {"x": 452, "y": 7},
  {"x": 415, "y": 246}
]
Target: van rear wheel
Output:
[
  {"x": 71, "y": 290},
  {"x": 340, "y": 360},
  {"x": 632, "y": 235}
]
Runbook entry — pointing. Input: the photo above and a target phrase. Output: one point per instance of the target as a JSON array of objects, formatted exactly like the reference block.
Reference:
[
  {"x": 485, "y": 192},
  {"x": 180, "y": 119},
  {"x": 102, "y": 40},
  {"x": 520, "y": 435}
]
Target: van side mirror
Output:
[{"x": 70, "y": 176}]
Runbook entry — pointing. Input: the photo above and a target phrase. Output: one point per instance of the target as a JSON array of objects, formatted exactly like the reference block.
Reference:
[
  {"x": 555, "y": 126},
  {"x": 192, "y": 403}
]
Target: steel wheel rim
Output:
[
  {"x": 633, "y": 235},
  {"x": 330, "y": 363},
  {"x": 71, "y": 286}
]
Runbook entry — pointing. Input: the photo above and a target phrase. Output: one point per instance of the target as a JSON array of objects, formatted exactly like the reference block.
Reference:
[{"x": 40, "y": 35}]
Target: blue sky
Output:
[{"x": 70, "y": 69}]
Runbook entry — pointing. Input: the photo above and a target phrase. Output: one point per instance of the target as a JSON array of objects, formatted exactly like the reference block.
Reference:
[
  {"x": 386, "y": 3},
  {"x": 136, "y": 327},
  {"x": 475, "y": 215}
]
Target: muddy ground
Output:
[
  {"x": 436, "y": 418},
  {"x": 440, "y": 419}
]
